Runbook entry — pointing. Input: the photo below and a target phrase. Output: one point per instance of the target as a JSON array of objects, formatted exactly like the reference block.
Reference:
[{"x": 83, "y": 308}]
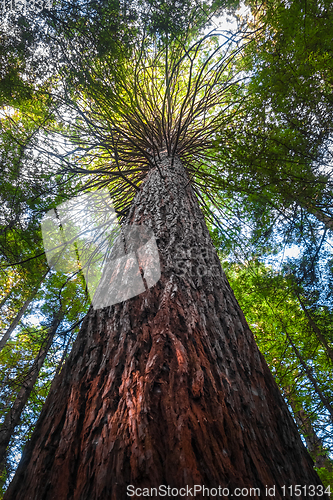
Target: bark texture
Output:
[{"x": 168, "y": 387}]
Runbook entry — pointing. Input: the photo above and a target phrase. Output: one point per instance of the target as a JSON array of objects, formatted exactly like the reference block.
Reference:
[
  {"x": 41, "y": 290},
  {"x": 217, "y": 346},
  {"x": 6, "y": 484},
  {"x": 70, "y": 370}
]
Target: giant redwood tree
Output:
[{"x": 167, "y": 387}]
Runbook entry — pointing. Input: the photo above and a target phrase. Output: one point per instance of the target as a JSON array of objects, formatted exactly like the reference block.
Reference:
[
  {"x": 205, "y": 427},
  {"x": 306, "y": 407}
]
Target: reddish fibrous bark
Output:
[{"x": 168, "y": 387}]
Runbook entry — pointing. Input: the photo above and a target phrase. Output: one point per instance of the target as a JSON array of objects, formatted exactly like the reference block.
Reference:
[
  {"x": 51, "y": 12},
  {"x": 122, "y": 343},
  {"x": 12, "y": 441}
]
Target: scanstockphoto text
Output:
[
  {"x": 195, "y": 261},
  {"x": 22, "y": 6},
  {"x": 198, "y": 490}
]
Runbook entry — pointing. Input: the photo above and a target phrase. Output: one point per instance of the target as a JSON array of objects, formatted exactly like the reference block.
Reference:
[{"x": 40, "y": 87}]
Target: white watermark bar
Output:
[{"x": 118, "y": 262}]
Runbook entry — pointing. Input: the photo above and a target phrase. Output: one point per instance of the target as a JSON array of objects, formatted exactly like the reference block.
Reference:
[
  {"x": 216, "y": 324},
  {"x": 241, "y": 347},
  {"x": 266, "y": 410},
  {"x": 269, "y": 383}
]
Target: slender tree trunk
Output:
[
  {"x": 5, "y": 298},
  {"x": 313, "y": 442},
  {"x": 168, "y": 387},
  {"x": 315, "y": 329},
  {"x": 19, "y": 315},
  {"x": 328, "y": 221},
  {"x": 16, "y": 320},
  {"x": 326, "y": 402},
  {"x": 13, "y": 416}
]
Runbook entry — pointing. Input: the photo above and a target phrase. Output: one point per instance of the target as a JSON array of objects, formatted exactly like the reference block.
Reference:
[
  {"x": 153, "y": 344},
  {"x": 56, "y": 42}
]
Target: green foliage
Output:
[
  {"x": 21, "y": 350},
  {"x": 326, "y": 476},
  {"x": 297, "y": 358},
  {"x": 282, "y": 149}
]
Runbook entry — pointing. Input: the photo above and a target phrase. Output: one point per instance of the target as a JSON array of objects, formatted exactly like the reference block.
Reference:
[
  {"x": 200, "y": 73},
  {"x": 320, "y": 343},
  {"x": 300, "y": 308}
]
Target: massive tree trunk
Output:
[{"x": 168, "y": 387}]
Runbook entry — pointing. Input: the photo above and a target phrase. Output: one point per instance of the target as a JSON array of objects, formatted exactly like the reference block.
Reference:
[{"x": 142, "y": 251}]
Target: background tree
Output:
[
  {"x": 32, "y": 357},
  {"x": 297, "y": 356}
]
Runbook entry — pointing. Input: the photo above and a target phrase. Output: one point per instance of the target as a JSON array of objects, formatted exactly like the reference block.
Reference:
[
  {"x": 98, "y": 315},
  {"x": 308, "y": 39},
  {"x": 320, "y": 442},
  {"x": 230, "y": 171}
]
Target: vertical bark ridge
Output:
[{"x": 167, "y": 387}]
